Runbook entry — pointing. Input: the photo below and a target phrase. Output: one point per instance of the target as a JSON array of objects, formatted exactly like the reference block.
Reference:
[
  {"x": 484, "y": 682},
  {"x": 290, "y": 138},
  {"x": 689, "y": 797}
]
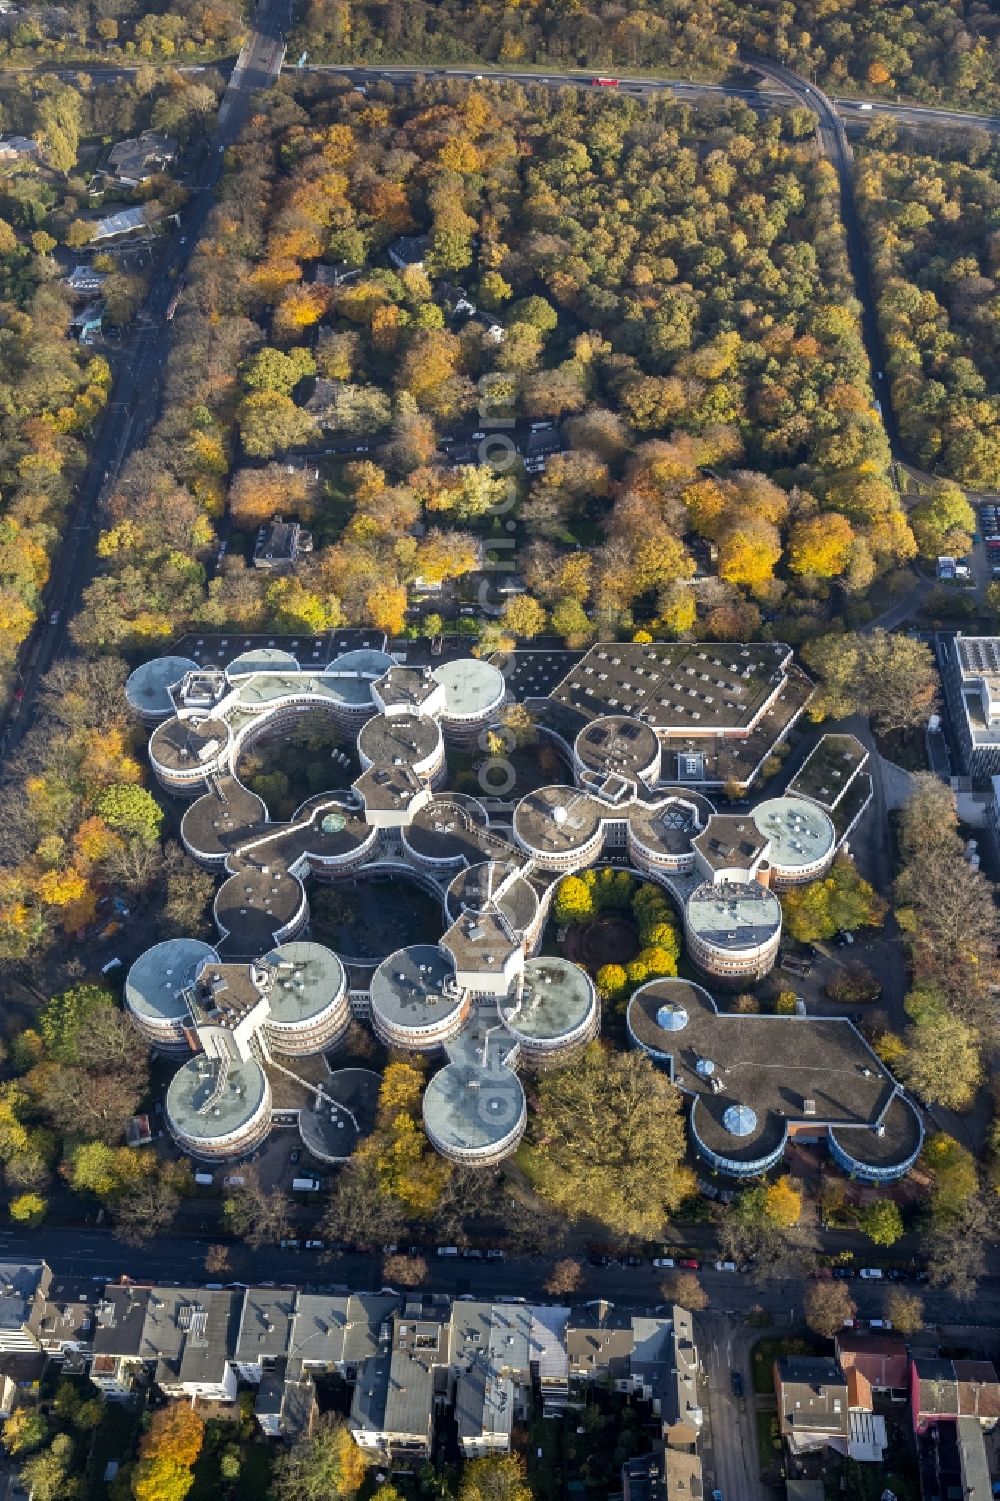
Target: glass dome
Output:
[
  {"x": 672, "y": 1017},
  {"x": 740, "y": 1120}
]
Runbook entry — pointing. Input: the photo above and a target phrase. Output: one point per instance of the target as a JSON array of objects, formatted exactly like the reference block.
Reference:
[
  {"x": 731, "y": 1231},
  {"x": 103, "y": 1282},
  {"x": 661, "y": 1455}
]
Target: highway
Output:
[
  {"x": 854, "y": 111},
  {"x": 135, "y": 395}
]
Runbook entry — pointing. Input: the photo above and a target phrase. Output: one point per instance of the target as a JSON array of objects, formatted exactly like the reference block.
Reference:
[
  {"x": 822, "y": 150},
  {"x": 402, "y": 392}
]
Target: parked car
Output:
[
  {"x": 725, "y": 1266},
  {"x": 664, "y": 1261},
  {"x": 314, "y": 1245},
  {"x": 844, "y": 1272},
  {"x": 692, "y": 1265},
  {"x": 633, "y": 1261},
  {"x": 871, "y": 1273},
  {"x": 880, "y": 1323},
  {"x": 495, "y": 1255}
]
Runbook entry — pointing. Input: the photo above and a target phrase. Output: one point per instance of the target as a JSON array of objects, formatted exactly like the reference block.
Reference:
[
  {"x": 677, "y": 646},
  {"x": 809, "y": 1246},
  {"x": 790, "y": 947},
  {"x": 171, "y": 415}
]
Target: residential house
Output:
[
  {"x": 819, "y": 1407},
  {"x": 812, "y": 1401},
  {"x": 126, "y": 221},
  {"x": 86, "y": 323},
  {"x": 946, "y": 1390},
  {"x": 336, "y": 273},
  {"x": 22, "y": 1285},
  {"x": 410, "y": 250},
  {"x": 19, "y": 149},
  {"x": 490, "y": 1372},
  {"x": 135, "y": 161},
  {"x": 599, "y": 1341},
  {"x": 455, "y": 301},
  {"x": 549, "y": 1358},
  {"x": 644, "y": 1477},
  {"x": 118, "y": 1366},
  {"x": 279, "y": 544},
  {"x": 189, "y": 1338},
  {"x": 64, "y": 1321},
  {"x": 20, "y": 1377},
  {"x": 400, "y": 1389},
  {"x": 880, "y": 1359}
]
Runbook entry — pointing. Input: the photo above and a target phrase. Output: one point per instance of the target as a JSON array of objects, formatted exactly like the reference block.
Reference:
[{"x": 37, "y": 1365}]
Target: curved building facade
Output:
[
  {"x": 308, "y": 1005},
  {"x": 733, "y": 930},
  {"x": 216, "y": 1111},
  {"x": 416, "y": 1004},
  {"x": 553, "y": 1013},
  {"x": 156, "y": 989}
]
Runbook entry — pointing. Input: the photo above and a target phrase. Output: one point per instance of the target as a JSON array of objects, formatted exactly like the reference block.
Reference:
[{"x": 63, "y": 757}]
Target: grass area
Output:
[
  {"x": 233, "y": 1445},
  {"x": 768, "y": 1437},
  {"x": 766, "y": 1351}
]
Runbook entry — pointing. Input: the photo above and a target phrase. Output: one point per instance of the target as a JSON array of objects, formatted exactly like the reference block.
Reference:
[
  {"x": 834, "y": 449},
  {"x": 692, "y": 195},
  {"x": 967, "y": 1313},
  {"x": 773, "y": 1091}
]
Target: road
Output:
[
  {"x": 851, "y": 109},
  {"x": 135, "y": 395}
]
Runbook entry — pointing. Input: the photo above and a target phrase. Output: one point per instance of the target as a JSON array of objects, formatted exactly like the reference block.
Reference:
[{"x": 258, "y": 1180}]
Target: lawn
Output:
[{"x": 768, "y": 1438}]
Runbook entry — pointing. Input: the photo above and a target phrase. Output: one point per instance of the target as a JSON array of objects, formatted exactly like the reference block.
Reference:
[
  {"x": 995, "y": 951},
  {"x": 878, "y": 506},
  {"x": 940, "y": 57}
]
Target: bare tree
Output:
[
  {"x": 258, "y": 1215},
  {"x": 565, "y": 1277},
  {"x": 827, "y": 1307},
  {"x": 408, "y": 1271},
  {"x": 684, "y": 1288},
  {"x": 218, "y": 1259},
  {"x": 146, "y": 1210}
]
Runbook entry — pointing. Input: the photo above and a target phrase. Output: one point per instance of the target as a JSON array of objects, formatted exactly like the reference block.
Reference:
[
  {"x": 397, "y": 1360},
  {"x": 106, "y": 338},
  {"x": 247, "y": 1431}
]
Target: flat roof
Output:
[
  {"x": 187, "y": 744},
  {"x": 156, "y": 981},
  {"x": 772, "y": 1065},
  {"x": 193, "y": 1086},
  {"x": 449, "y": 827},
  {"x": 329, "y": 1131},
  {"x": 730, "y": 842},
  {"x": 307, "y": 978},
  {"x": 390, "y": 740},
  {"x": 148, "y": 687},
  {"x": 696, "y": 686},
  {"x": 468, "y": 1106},
  {"x": 493, "y": 883},
  {"x": 828, "y": 768},
  {"x": 733, "y": 914},
  {"x": 556, "y": 999},
  {"x": 798, "y": 831},
  {"x": 263, "y": 659},
  {"x": 407, "y": 988},
  {"x": 670, "y": 824},
  {"x": 557, "y": 818},
  {"x": 471, "y": 685},
  {"x": 618, "y": 743}
]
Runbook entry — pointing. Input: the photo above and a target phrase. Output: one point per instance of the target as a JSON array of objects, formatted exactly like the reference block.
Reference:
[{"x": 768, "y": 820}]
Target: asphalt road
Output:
[
  {"x": 851, "y": 109},
  {"x": 135, "y": 395}
]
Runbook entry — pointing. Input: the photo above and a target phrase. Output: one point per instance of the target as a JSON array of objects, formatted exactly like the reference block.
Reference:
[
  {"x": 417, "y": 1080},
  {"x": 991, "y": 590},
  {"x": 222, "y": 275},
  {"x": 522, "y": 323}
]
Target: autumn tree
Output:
[
  {"x": 255, "y": 1214},
  {"x": 407, "y": 1271},
  {"x": 891, "y": 678},
  {"x": 501, "y": 1477},
  {"x": 828, "y": 1306},
  {"x": 683, "y": 1287},
  {"x": 839, "y": 901},
  {"x": 904, "y": 1310},
  {"x": 564, "y": 1278}
]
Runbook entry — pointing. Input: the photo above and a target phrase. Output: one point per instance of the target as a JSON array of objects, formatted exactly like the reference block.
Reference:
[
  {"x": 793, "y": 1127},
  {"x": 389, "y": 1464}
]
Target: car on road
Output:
[
  {"x": 664, "y": 1261},
  {"x": 294, "y": 1155},
  {"x": 691, "y": 1264},
  {"x": 736, "y": 1382},
  {"x": 716, "y": 1495},
  {"x": 55, "y": 617},
  {"x": 871, "y": 1273},
  {"x": 725, "y": 1266}
]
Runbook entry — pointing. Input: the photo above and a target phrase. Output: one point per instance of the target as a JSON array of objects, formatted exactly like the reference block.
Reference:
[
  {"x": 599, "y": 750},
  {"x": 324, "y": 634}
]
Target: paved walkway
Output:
[{"x": 898, "y": 784}]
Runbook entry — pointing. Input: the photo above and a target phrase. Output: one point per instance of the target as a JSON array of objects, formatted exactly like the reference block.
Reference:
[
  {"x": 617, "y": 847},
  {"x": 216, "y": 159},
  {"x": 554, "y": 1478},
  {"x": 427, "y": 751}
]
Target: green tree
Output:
[
  {"x": 25, "y": 1430},
  {"x": 607, "y": 1141},
  {"x": 274, "y": 370},
  {"x": 326, "y": 1466},
  {"x": 271, "y": 423},
  {"x": 66, "y": 1015},
  {"x": 131, "y": 810},
  {"x": 48, "y": 1476},
  {"x": 892, "y": 678},
  {"x": 882, "y": 1222}
]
